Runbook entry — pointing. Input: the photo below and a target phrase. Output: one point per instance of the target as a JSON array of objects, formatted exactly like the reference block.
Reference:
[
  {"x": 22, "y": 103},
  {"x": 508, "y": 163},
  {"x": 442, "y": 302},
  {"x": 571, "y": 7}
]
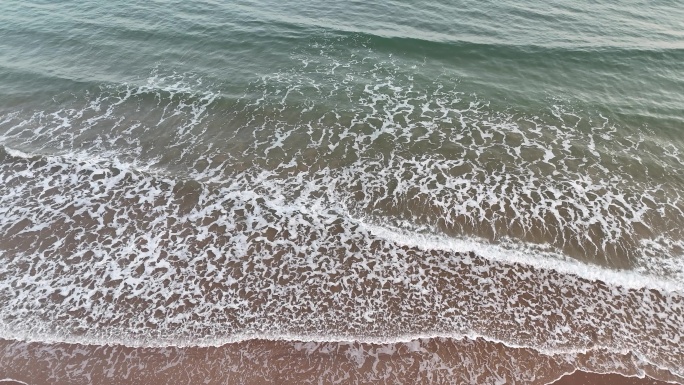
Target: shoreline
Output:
[
  {"x": 587, "y": 378},
  {"x": 256, "y": 362},
  {"x": 576, "y": 378}
]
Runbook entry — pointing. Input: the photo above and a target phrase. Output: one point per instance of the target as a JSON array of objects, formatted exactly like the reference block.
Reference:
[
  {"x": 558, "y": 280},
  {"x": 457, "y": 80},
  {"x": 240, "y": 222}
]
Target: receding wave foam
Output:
[
  {"x": 407, "y": 152},
  {"x": 441, "y": 361},
  {"x": 164, "y": 215},
  {"x": 97, "y": 253},
  {"x": 531, "y": 255}
]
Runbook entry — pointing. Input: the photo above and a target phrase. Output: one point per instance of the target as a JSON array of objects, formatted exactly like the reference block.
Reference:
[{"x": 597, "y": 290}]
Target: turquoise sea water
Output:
[{"x": 304, "y": 162}]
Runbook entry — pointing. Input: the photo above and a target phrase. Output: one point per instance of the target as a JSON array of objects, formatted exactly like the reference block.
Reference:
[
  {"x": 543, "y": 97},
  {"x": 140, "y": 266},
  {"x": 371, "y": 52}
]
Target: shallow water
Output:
[{"x": 186, "y": 176}]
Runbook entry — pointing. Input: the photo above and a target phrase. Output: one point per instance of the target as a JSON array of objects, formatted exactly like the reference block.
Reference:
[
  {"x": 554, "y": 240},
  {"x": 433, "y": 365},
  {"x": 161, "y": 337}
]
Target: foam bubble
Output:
[{"x": 165, "y": 213}]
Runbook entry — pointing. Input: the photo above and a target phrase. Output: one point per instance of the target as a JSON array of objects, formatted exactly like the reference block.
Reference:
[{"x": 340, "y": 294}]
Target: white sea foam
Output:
[
  {"x": 169, "y": 225},
  {"x": 236, "y": 263},
  {"x": 531, "y": 255},
  {"x": 441, "y": 360},
  {"x": 13, "y": 381}
]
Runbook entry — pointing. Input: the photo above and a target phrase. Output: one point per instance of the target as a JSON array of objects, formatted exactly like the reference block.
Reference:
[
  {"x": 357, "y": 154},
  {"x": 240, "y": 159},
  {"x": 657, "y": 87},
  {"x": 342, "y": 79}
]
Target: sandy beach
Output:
[{"x": 260, "y": 362}]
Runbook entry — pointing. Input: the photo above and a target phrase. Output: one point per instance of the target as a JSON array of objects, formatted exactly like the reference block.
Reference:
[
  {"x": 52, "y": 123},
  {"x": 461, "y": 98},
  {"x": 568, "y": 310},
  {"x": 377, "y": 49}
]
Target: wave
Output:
[
  {"x": 424, "y": 159},
  {"x": 101, "y": 253},
  {"x": 415, "y": 36},
  {"x": 448, "y": 46},
  {"x": 116, "y": 246},
  {"x": 409, "y": 47},
  {"x": 531, "y": 255},
  {"x": 407, "y": 212}
]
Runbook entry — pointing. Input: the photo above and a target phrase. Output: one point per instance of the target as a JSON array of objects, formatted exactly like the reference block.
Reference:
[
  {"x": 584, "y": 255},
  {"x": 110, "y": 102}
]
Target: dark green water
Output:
[{"x": 150, "y": 149}]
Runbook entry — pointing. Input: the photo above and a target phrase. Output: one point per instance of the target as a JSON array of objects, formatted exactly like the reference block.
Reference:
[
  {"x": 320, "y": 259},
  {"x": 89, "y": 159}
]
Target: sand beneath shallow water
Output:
[
  {"x": 255, "y": 362},
  {"x": 584, "y": 378},
  {"x": 97, "y": 251}
]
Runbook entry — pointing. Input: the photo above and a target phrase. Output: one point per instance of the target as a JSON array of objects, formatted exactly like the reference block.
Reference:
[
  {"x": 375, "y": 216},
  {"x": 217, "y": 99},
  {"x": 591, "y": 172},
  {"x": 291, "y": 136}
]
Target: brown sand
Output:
[
  {"x": 577, "y": 378},
  {"x": 261, "y": 362},
  {"x": 584, "y": 378}
]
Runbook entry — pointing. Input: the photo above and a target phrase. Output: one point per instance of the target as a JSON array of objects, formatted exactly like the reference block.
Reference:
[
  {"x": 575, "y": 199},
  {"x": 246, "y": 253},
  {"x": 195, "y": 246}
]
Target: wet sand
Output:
[
  {"x": 584, "y": 378},
  {"x": 256, "y": 362},
  {"x": 578, "y": 378},
  {"x": 103, "y": 252}
]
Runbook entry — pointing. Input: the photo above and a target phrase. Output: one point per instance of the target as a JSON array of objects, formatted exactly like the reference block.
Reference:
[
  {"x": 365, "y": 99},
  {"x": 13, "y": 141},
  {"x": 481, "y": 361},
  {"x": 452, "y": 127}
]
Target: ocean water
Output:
[{"x": 314, "y": 192}]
